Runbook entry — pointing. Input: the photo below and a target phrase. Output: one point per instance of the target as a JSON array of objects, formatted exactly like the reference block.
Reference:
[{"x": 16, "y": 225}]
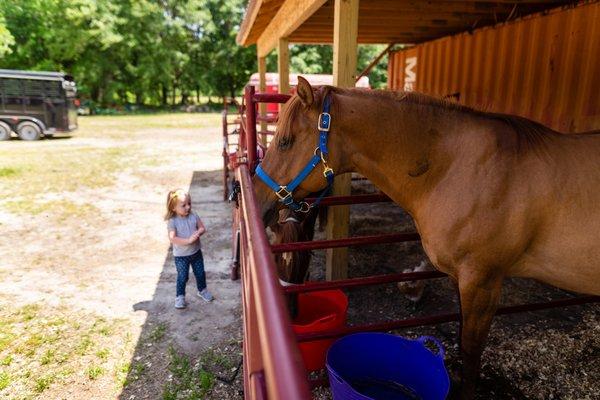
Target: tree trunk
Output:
[
  {"x": 197, "y": 95},
  {"x": 165, "y": 94}
]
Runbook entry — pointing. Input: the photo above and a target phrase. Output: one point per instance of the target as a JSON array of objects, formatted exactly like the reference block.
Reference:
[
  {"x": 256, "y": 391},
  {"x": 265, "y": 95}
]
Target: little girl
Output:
[{"x": 185, "y": 229}]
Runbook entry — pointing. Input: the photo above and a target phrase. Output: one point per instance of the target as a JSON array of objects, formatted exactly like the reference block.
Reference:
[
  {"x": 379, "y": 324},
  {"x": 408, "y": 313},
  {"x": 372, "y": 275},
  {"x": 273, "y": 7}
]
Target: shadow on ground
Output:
[{"x": 177, "y": 339}]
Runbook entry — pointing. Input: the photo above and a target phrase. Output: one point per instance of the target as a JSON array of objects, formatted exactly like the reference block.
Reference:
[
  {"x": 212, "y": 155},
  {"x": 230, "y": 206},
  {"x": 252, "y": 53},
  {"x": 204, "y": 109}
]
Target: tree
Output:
[
  {"x": 6, "y": 39},
  {"x": 225, "y": 66}
]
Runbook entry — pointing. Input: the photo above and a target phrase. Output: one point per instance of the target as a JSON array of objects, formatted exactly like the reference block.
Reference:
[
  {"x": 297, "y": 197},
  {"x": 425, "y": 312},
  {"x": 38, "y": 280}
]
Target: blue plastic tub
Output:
[{"x": 380, "y": 366}]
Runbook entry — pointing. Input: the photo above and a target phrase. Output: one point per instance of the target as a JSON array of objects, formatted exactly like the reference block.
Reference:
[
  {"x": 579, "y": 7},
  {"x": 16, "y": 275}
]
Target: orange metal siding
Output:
[{"x": 545, "y": 67}]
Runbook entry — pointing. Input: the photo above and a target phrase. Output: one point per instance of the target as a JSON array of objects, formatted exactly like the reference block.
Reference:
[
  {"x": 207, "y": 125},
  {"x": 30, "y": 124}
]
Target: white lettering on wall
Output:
[{"x": 410, "y": 74}]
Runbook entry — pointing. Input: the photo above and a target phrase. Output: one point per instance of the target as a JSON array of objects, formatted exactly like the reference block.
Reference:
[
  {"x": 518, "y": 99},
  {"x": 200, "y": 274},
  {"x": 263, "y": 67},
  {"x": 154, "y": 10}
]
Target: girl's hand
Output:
[{"x": 193, "y": 237}]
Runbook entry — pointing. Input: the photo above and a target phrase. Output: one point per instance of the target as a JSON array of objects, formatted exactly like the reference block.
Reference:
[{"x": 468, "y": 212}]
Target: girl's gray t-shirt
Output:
[{"x": 184, "y": 227}]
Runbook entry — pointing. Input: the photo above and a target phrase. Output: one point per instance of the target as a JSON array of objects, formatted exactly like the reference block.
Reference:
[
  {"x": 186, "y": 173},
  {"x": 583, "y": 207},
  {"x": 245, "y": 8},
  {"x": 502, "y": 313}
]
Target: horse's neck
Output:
[{"x": 402, "y": 147}]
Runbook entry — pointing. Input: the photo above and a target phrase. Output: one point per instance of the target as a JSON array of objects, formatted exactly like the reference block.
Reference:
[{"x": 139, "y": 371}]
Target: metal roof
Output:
[{"x": 43, "y": 75}]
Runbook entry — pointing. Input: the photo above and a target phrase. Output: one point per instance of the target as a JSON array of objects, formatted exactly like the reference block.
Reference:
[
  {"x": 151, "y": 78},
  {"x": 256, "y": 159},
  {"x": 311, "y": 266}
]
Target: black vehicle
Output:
[{"x": 36, "y": 104}]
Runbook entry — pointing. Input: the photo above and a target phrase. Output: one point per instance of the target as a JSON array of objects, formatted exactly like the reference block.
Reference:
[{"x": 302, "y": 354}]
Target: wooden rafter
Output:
[{"x": 289, "y": 17}]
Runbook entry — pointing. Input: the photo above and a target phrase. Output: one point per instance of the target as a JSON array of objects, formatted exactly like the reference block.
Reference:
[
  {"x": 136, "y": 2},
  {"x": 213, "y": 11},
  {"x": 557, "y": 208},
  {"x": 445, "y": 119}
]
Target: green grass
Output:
[
  {"x": 103, "y": 354},
  {"x": 94, "y": 372},
  {"x": 7, "y": 172},
  {"x": 44, "y": 347},
  {"x": 96, "y": 126},
  {"x": 48, "y": 357},
  {"x": 189, "y": 381},
  {"x": 35, "y": 176},
  {"x": 158, "y": 332},
  {"x": 4, "y": 380},
  {"x": 44, "y": 382}
]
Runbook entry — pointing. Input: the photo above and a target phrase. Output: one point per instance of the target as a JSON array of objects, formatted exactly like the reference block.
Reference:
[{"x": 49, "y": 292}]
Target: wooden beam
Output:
[
  {"x": 283, "y": 67},
  {"x": 345, "y": 28},
  {"x": 289, "y": 17},
  {"x": 248, "y": 21},
  {"x": 262, "y": 87}
]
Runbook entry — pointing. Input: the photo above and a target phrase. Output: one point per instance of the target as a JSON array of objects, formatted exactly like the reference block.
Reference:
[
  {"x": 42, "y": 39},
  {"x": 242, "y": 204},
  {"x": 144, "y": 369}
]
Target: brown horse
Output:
[
  {"x": 292, "y": 267},
  {"x": 492, "y": 195}
]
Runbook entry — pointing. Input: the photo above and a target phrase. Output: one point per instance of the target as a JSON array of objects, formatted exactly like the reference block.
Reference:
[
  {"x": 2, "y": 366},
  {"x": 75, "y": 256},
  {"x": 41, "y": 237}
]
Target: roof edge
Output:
[{"x": 248, "y": 22}]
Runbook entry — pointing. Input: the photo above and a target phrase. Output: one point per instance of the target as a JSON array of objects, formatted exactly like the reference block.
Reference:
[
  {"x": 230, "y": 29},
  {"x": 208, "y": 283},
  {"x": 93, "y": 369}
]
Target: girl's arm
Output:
[
  {"x": 182, "y": 241},
  {"x": 200, "y": 226}
]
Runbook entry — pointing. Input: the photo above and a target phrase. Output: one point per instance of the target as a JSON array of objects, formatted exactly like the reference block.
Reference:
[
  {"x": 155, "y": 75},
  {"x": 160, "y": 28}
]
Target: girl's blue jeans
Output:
[{"x": 183, "y": 271}]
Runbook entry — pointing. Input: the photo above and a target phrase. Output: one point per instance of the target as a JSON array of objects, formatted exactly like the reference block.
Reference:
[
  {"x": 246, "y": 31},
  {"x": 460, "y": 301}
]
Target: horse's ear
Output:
[{"x": 305, "y": 92}]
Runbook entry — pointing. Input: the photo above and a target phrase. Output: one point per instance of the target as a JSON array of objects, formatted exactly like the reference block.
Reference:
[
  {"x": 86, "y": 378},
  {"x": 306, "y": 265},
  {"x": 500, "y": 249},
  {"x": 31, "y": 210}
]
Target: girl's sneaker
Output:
[
  {"x": 205, "y": 295},
  {"x": 180, "y": 302}
]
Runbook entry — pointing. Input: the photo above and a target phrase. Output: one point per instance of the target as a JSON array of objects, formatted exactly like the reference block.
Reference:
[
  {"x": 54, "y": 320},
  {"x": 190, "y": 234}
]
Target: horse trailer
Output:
[{"x": 36, "y": 104}]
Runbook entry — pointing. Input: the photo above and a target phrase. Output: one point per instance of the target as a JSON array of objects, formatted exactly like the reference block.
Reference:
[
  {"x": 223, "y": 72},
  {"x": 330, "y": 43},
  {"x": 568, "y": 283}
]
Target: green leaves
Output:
[
  {"x": 146, "y": 51},
  {"x": 6, "y": 39}
]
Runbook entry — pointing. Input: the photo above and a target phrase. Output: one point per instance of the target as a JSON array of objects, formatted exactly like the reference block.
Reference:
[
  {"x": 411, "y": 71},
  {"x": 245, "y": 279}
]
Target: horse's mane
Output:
[{"x": 529, "y": 133}]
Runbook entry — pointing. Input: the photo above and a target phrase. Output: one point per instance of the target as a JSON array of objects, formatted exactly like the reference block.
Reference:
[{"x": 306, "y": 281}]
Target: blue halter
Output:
[{"x": 284, "y": 192}]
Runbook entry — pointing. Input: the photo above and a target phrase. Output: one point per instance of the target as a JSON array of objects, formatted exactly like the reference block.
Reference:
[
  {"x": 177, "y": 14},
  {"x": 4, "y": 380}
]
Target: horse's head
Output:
[
  {"x": 293, "y": 227},
  {"x": 296, "y": 141},
  {"x": 292, "y": 266}
]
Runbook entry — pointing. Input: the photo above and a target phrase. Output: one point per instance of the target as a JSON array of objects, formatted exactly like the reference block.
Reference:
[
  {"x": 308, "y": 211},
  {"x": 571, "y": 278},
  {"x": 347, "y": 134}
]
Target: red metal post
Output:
[{"x": 251, "y": 128}]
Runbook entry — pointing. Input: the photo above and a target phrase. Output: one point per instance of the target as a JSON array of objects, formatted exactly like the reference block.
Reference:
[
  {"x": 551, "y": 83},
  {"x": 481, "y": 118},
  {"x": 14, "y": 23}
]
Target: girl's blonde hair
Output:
[{"x": 172, "y": 198}]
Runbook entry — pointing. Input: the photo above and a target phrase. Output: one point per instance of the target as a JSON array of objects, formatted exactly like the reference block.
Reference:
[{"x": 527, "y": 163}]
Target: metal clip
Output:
[{"x": 304, "y": 207}]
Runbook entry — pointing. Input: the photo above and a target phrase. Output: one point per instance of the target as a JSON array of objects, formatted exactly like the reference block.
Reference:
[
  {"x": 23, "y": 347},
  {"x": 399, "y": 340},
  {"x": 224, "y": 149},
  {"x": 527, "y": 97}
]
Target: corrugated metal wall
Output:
[{"x": 545, "y": 67}]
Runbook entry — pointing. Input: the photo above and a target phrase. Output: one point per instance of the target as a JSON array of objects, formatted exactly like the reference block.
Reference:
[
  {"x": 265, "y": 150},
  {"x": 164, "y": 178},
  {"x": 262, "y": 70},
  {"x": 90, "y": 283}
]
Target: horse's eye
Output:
[{"x": 284, "y": 143}]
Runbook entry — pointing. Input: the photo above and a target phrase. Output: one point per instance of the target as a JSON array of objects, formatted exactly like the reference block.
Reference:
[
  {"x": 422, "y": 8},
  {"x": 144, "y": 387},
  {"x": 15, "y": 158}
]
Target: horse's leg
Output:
[{"x": 479, "y": 297}]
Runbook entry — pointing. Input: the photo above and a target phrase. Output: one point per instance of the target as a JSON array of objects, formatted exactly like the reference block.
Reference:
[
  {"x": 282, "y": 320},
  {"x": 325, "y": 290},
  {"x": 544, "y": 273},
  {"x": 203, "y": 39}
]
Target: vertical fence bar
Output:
[
  {"x": 225, "y": 155},
  {"x": 251, "y": 127}
]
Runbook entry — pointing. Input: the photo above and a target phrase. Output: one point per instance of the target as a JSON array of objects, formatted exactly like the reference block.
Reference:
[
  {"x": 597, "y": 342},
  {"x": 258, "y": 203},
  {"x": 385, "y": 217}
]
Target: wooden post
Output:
[
  {"x": 250, "y": 129},
  {"x": 262, "y": 87},
  {"x": 345, "y": 32},
  {"x": 283, "y": 67}
]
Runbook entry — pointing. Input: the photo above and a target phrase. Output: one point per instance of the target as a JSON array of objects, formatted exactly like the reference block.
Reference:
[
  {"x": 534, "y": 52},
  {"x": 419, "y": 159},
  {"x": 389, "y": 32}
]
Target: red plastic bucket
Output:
[
  {"x": 317, "y": 312},
  {"x": 232, "y": 160}
]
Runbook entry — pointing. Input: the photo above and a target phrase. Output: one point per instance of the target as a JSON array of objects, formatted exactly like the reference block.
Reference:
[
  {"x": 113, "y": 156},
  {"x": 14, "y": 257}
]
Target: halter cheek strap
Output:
[{"x": 284, "y": 192}]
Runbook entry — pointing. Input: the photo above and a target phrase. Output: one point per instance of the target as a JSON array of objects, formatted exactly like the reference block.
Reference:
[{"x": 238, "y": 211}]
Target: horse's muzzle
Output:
[{"x": 269, "y": 212}]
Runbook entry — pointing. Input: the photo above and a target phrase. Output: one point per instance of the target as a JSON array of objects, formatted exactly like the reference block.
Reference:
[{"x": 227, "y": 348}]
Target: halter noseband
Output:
[{"x": 284, "y": 192}]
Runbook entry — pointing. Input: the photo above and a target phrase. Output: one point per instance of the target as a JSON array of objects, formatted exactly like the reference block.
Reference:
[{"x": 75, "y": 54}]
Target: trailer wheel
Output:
[
  {"x": 28, "y": 130},
  {"x": 5, "y": 131}
]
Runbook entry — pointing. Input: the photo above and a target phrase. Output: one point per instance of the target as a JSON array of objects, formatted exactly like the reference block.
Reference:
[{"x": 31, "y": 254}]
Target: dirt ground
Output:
[{"x": 106, "y": 258}]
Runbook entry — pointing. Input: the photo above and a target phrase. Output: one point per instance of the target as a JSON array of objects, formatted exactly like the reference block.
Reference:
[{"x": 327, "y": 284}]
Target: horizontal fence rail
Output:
[
  {"x": 438, "y": 319},
  {"x": 354, "y": 199},
  {"x": 355, "y": 241}
]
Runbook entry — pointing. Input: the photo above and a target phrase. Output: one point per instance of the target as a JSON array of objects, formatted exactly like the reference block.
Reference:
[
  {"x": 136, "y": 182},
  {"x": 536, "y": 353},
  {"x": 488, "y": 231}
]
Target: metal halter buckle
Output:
[
  {"x": 286, "y": 192},
  {"x": 324, "y": 122}
]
